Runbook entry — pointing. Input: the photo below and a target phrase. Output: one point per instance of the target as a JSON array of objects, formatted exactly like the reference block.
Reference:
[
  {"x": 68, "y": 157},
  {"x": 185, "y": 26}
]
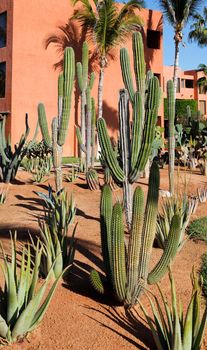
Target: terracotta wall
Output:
[{"x": 33, "y": 76}]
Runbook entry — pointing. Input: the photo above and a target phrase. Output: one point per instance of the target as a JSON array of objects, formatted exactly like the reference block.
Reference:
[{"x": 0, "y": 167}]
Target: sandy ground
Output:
[{"x": 77, "y": 317}]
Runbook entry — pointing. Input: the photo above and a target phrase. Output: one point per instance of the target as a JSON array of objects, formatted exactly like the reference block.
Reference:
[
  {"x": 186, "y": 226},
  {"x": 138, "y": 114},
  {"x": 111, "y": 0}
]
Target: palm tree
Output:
[
  {"x": 202, "y": 82},
  {"x": 178, "y": 13},
  {"x": 108, "y": 25},
  {"x": 198, "y": 31}
]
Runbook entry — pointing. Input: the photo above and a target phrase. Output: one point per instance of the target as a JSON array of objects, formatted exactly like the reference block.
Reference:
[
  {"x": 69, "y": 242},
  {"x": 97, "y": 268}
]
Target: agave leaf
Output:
[
  {"x": 22, "y": 281},
  {"x": 164, "y": 323},
  {"x": 198, "y": 340},
  {"x": 12, "y": 300},
  {"x": 40, "y": 313},
  {"x": 188, "y": 327},
  {"x": 24, "y": 321},
  {"x": 28, "y": 275},
  {"x": 3, "y": 328},
  {"x": 58, "y": 266},
  {"x": 167, "y": 311},
  {"x": 35, "y": 274},
  {"x": 153, "y": 329}
]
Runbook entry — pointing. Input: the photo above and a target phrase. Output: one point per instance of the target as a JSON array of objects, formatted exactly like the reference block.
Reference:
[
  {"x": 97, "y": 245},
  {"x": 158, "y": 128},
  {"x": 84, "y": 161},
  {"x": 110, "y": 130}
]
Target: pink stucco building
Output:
[
  {"x": 28, "y": 67},
  {"x": 188, "y": 87}
]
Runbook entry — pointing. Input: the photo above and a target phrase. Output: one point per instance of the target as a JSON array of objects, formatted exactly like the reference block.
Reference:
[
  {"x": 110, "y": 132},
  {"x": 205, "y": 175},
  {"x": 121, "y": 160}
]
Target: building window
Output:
[
  {"x": 183, "y": 83},
  {"x": 202, "y": 107},
  {"x": 2, "y": 79},
  {"x": 158, "y": 77},
  {"x": 3, "y": 25},
  {"x": 153, "y": 39},
  {"x": 178, "y": 85},
  {"x": 189, "y": 83}
]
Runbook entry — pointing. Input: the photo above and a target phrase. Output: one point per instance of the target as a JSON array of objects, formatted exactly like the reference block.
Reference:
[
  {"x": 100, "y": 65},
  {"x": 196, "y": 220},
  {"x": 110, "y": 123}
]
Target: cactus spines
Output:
[
  {"x": 68, "y": 80},
  {"x": 118, "y": 255},
  {"x": 170, "y": 251},
  {"x": 43, "y": 125},
  {"x": 92, "y": 179},
  {"x": 127, "y": 267},
  {"x": 108, "y": 152},
  {"x": 139, "y": 62},
  {"x": 135, "y": 243},
  {"x": 126, "y": 73},
  {"x": 136, "y": 142},
  {"x": 105, "y": 219},
  {"x": 96, "y": 281},
  {"x": 171, "y": 138},
  {"x": 59, "y": 124},
  {"x": 57, "y": 155}
]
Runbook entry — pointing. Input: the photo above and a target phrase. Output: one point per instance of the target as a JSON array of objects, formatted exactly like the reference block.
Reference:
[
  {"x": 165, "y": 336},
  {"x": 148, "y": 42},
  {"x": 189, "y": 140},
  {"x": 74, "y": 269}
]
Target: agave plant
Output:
[
  {"x": 21, "y": 305},
  {"x": 171, "y": 329},
  {"x": 72, "y": 175},
  {"x": 58, "y": 246},
  {"x": 3, "y": 195},
  {"x": 185, "y": 207}
]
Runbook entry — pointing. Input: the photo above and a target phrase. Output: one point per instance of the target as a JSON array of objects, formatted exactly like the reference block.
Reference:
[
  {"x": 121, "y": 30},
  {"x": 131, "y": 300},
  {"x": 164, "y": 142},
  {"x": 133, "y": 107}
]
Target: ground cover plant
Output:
[{"x": 198, "y": 229}]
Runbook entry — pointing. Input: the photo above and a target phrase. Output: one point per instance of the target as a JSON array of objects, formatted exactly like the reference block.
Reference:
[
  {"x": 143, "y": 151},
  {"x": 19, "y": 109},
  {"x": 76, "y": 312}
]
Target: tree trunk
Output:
[
  {"x": 172, "y": 122},
  {"x": 88, "y": 139},
  {"x": 100, "y": 86}
]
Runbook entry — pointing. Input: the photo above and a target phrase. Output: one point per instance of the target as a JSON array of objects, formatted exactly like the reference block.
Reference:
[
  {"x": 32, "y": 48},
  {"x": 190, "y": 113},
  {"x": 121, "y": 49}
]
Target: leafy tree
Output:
[
  {"x": 202, "y": 82},
  {"x": 107, "y": 25},
  {"x": 198, "y": 31}
]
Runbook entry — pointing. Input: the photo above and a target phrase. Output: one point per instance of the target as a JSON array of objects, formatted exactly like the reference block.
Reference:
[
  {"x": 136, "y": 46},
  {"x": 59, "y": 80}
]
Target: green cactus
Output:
[
  {"x": 127, "y": 266},
  {"x": 136, "y": 142},
  {"x": 86, "y": 133},
  {"x": 10, "y": 159},
  {"x": 171, "y": 137},
  {"x": 92, "y": 179},
  {"x": 59, "y": 124},
  {"x": 68, "y": 81}
]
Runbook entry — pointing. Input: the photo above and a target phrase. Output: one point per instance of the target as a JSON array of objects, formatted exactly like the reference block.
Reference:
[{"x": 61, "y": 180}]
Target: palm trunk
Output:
[
  {"x": 100, "y": 86},
  {"x": 172, "y": 122}
]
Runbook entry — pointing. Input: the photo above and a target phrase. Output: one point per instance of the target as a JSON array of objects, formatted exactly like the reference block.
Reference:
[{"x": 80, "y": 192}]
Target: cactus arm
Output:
[
  {"x": 96, "y": 281},
  {"x": 80, "y": 140},
  {"x": 79, "y": 75},
  {"x": 137, "y": 129},
  {"x": 125, "y": 152},
  {"x": 93, "y": 125},
  {"x": 108, "y": 152},
  {"x": 85, "y": 65},
  {"x": 135, "y": 244},
  {"x": 60, "y": 96},
  {"x": 126, "y": 73},
  {"x": 57, "y": 155},
  {"x": 139, "y": 62},
  {"x": 69, "y": 72},
  {"x": 43, "y": 125},
  {"x": 105, "y": 219},
  {"x": 149, "y": 226},
  {"x": 2, "y": 143},
  {"x": 118, "y": 252},
  {"x": 170, "y": 250},
  {"x": 149, "y": 128},
  {"x": 91, "y": 80}
]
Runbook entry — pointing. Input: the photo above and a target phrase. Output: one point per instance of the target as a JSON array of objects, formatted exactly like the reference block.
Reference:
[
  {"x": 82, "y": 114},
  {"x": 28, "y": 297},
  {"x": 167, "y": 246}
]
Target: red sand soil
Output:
[{"x": 77, "y": 317}]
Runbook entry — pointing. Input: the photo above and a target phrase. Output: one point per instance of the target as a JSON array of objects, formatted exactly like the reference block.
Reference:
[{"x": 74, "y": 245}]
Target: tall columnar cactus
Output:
[
  {"x": 127, "y": 267},
  {"x": 135, "y": 142},
  {"x": 171, "y": 137},
  {"x": 85, "y": 85},
  {"x": 60, "y": 123}
]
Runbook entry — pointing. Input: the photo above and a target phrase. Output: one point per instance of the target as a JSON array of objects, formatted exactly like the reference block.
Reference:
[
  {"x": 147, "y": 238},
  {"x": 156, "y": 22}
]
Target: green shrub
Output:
[
  {"x": 204, "y": 273},
  {"x": 198, "y": 229},
  {"x": 180, "y": 107}
]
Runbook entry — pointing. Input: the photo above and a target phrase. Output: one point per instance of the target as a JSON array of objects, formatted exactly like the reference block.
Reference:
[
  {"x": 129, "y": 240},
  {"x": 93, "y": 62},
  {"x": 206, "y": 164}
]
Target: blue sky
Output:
[{"x": 190, "y": 55}]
